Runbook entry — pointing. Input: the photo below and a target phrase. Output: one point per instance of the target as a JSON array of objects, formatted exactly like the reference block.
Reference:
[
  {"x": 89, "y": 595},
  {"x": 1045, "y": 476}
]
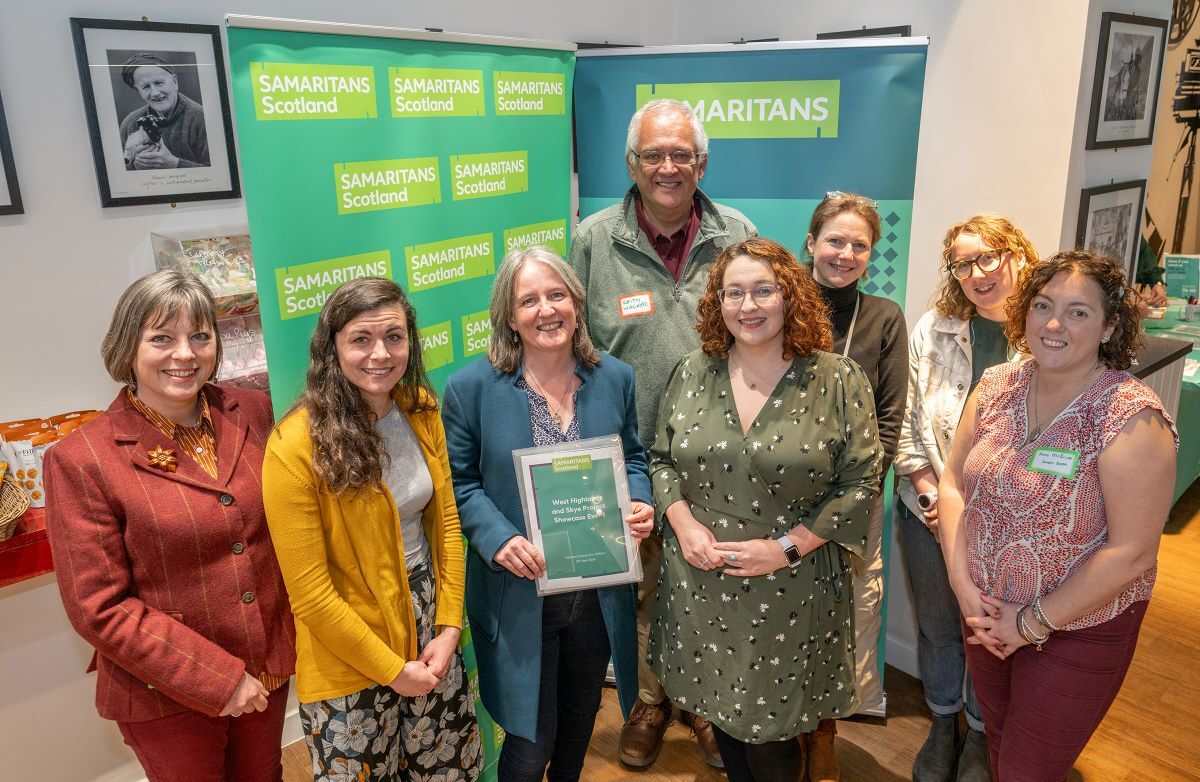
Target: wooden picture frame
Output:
[{"x": 157, "y": 109}]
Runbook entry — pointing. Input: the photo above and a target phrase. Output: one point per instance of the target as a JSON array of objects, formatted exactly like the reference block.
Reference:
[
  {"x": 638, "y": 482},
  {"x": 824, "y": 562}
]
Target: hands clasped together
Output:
[
  {"x": 994, "y": 623},
  {"x": 703, "y": 551}
]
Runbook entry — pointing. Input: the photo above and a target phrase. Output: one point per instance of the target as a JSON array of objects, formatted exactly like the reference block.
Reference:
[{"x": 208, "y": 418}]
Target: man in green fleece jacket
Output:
[{"x": 644, "y": 264}]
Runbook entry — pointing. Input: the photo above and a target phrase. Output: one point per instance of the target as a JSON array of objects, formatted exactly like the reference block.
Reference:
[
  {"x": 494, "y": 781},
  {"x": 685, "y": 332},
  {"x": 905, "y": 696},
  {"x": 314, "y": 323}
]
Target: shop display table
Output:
[{"x": 1170, "y": 364}]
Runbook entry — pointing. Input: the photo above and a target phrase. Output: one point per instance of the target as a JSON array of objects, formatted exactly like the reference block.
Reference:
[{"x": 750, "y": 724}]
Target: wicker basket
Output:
[{"x": 13, "y": 504}]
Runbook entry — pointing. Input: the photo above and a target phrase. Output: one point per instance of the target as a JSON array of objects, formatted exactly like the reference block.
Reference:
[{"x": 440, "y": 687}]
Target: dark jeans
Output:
[
  {"x": 944, "y": 674},
  {"x": 574, "y": 662},
  {"x": 1042, "y": 707},
  {"x": 774, "y": 761}
]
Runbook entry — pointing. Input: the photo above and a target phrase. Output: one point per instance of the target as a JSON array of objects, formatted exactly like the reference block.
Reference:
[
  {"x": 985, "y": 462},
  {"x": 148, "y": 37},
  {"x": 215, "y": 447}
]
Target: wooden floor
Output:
[{"x": 1151, "y": 734}]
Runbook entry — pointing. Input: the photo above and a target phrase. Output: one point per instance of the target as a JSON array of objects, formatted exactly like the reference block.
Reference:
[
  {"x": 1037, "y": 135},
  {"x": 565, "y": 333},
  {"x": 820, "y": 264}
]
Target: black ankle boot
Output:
[{"x": 936, "y": 758}]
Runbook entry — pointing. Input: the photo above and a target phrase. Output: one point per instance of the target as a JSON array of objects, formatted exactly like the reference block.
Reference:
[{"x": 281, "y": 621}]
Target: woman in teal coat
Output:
[{"x": 543, "y": 383}]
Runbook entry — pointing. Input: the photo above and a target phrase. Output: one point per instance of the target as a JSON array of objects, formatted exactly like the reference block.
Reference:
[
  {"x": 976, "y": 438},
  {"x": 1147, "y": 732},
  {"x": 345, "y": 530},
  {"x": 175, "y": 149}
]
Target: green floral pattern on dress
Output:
[{"x": 767, "y": 657}]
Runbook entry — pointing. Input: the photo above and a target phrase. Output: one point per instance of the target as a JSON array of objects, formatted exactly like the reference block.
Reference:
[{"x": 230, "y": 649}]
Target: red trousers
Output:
[
  {"x": 192, "y": 747},
  {"x": 1041, "y": 708}
]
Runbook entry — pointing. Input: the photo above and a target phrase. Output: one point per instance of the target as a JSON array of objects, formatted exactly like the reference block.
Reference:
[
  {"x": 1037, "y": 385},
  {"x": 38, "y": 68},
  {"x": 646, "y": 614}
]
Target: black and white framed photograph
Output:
[
  {"x": 157, "y": 111},
  {"x": 1110, "y": 221},
  {"x": 10, "y": 191},
  {"x": 1125, "y": 86}
]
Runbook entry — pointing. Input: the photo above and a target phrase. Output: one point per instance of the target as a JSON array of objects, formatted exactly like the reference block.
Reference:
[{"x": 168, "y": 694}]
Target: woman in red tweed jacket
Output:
[{"x": 161, "y": 548}]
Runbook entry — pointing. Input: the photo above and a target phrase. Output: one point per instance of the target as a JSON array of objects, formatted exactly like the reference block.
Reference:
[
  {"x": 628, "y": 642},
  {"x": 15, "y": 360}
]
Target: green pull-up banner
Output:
[{"x": 417, "y": 156}]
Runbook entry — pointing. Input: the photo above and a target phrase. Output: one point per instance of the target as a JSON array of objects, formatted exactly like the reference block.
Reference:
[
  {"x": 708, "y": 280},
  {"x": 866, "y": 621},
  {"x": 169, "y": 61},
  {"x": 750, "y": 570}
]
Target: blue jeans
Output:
[
  {"x": 574, "y": 662},
  {"x": 940, "y": 652}
]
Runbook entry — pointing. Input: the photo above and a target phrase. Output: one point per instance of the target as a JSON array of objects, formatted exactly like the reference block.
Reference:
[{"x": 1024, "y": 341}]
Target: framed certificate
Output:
[{"x": 575, "y": 497}]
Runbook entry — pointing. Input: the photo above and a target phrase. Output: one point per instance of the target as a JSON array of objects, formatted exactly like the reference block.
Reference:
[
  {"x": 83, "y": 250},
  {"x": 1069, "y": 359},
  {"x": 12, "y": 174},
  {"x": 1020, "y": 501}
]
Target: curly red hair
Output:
[{"x": 806, "y": 325}]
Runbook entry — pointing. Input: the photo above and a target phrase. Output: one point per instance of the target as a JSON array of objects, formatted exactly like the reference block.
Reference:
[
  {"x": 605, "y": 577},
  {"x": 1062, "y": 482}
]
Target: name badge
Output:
[
  {"x": 1054, "y": 461},
  {"x": 636, "y": 304}
]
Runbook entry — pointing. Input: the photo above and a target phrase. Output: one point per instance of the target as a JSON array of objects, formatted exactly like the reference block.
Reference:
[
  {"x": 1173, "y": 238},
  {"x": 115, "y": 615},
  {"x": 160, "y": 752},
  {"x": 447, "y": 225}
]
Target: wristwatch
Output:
[
  {"x": 789, "y": 550},
  {"x": 926, "y": 500}
]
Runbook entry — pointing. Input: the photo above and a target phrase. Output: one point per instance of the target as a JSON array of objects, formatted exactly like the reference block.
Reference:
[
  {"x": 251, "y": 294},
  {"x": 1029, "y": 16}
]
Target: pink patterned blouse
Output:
[{"x": 1027, "y": 531}]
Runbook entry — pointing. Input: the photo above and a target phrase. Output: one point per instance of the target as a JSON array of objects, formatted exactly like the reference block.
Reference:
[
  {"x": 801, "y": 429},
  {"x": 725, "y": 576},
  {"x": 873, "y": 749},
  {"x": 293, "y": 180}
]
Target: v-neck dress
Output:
[{"x": 766, "y": 657}]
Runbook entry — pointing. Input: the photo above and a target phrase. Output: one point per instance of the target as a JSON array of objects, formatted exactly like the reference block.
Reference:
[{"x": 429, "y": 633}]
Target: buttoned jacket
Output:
[{"x": 171, "y": 576}]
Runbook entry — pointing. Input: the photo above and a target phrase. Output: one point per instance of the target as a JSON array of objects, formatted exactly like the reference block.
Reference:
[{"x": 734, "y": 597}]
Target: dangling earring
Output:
[
  {"x": 1105, "y": 338},
  {"x": 131, "y": 381},
  {"x": 515, "y": 337}
]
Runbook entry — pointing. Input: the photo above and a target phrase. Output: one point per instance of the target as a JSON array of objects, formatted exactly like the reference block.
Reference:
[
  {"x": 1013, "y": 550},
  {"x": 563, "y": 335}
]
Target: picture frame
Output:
[
  {"x": 10, "y": 189},
  {"x": 1126, "y": 82},
  {"x": 1110, "y": 222},
  {"x": 157, "y": 107},
  {"x": 575, "y": 497}
]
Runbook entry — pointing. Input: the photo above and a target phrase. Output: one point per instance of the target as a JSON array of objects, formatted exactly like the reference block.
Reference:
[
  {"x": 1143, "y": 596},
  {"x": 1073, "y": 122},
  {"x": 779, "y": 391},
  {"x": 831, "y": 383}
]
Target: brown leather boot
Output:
[
  {"x": 642, "y": 736},
  {"x": 706, "y": 742},
  {"x": 822, "y": 760}
]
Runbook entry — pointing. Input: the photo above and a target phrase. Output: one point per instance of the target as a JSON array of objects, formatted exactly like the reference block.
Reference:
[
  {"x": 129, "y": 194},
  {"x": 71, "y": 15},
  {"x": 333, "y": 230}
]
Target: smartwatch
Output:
[
  {"x": 926, "y": 500},
  {"x": 789, "y": 550}
]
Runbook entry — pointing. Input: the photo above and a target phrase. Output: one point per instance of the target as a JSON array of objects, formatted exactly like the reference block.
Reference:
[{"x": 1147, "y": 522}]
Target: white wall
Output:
[{"x": 1003, "y": 118}]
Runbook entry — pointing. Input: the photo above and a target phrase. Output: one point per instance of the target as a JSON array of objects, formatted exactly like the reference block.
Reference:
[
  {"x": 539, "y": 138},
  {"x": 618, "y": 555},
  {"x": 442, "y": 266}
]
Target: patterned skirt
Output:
[{"x": 378, "y": 734}]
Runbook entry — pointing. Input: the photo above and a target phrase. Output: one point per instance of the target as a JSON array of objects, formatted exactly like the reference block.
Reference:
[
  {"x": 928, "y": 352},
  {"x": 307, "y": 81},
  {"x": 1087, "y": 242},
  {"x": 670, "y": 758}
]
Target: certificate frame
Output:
[{"x": 547, "y": 478}]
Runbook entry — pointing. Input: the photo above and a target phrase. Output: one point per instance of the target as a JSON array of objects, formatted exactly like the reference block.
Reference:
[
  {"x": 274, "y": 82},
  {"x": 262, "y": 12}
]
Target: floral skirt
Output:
[{"x": 378, "y": 734}]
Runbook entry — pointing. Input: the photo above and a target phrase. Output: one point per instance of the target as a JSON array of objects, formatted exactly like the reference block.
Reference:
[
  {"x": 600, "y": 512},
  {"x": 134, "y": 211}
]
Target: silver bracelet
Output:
[
  {"x": 1026, "y": 631},
  {"x": 1040, "y": 615}
]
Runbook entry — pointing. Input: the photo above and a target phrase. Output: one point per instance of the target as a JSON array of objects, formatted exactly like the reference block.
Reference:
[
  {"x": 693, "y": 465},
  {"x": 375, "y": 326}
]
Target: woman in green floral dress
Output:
[{"x": 764, "y": 467}]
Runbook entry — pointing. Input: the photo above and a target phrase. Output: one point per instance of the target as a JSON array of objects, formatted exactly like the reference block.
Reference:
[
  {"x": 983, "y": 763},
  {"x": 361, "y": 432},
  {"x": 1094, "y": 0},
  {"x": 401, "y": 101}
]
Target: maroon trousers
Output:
[
  {"x": 1041, "y": 708},
  {"x": 197, "y": 748}
]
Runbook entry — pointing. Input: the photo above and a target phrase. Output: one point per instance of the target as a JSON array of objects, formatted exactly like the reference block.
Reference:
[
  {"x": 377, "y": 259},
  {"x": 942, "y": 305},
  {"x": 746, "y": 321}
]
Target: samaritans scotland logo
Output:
[
  {"x": 553, "y": 234},
  {"x": 436, "y": 92},
  {"x": 289, "y": 90},
  {"x": 489, "y": 174},
  {"x": 757, "y": 109},
  {"x": 477, "y": 332},
  {"x": 530, "y": 93},
  {"x": 369, "y": 185},
  {"x": 437, "y": 345},
  {"x": 304, "y": 288},
  {"x": 452, "y": 260}
]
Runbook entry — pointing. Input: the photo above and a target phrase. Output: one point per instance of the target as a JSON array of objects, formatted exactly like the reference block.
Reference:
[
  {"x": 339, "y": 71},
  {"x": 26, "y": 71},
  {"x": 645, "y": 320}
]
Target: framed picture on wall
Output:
[
  {"x": 1109, "y": 221},
  {"x": 1125, "y": 86},
  {"x": 157, "y": 111},
  {"x": 10, "y": 191}
]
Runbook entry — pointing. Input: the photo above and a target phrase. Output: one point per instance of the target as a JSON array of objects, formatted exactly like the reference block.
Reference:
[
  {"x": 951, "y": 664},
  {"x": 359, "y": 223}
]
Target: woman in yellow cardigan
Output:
[{"x": 357, "y": 491}]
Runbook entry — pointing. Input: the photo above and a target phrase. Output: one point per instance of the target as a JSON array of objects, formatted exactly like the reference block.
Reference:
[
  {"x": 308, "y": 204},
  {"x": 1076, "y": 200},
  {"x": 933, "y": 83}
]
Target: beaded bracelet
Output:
[
  {"x": 1040, "y": 615},
  {"x": 1026, "y": 632}
]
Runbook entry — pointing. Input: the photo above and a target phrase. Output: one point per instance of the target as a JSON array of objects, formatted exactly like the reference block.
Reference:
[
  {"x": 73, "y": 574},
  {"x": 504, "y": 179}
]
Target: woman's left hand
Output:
[
  {"x": 751, "y": 557},
  {"x": 439, "y": 652},
  {"x": 155, "y": 157},
  {"x": 640, "y": 520},
  {"x": 996, "y": 630}
]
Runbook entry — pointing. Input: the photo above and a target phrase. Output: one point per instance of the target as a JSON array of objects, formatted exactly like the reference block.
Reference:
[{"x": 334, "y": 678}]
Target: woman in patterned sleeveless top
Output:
[{"x": 1051, "y": 561}]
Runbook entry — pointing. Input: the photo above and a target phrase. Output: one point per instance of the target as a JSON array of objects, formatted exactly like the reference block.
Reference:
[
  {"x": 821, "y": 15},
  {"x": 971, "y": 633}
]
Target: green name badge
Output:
[{"x": 1054, "y": 461}]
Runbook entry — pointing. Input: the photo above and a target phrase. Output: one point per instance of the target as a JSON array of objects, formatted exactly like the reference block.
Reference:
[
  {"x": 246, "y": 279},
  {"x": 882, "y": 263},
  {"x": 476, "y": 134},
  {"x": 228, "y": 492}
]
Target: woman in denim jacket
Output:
[{"x": 949, "y": 349}]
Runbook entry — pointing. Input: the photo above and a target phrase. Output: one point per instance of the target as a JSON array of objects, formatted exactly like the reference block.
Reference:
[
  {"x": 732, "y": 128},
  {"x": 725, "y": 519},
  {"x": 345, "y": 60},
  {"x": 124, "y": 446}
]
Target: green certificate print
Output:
[{"x": 580, "y": 518}]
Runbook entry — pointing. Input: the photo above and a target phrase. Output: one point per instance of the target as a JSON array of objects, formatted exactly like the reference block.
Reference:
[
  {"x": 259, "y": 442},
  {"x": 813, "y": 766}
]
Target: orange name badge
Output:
[{"x": 633, "y": 304}]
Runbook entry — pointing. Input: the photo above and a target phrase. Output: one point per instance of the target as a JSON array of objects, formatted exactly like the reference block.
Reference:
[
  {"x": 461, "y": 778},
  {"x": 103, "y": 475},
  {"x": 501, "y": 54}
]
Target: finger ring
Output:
[
  {"x": 704, "y": 562},
  {"x": 732, "y": 557}
]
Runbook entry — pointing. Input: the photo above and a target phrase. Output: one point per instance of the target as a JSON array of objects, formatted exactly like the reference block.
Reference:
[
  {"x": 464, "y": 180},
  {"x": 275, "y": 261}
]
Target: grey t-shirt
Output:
[{"x": 407, "y": 478}]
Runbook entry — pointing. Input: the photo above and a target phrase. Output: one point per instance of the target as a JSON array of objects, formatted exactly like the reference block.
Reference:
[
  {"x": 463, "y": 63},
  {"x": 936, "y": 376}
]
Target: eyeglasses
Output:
[
  {"x": 987, "y": 261},
  {"x": 831, "y": 194},
  {"x": 652, "y": 158},
  {"x": 762, "y": 294}
]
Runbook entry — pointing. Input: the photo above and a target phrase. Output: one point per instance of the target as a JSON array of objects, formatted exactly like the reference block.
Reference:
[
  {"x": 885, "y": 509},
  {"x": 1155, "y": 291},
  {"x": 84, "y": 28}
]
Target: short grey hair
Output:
[
  {"x": 656, "y": 108},
  {"x": 153, "y": 302},
  {"x": 504, "y": 348}
]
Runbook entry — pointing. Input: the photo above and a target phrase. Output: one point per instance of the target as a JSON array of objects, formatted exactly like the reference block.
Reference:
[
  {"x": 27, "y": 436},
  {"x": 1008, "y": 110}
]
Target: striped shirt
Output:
[{"x": 199, "y": 441}]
